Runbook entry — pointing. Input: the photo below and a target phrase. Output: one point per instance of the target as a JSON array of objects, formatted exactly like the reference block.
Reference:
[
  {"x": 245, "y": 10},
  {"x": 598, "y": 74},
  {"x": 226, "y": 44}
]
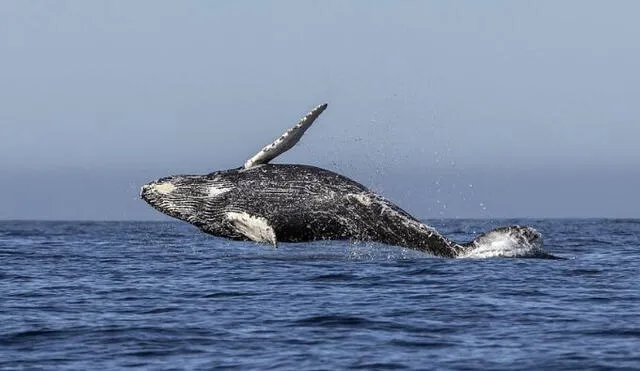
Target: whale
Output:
[{"x": 273, "y": 203}]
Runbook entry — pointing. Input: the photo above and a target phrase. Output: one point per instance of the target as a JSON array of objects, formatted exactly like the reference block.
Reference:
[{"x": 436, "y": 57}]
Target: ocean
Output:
[{"x": 163, "y": 296}]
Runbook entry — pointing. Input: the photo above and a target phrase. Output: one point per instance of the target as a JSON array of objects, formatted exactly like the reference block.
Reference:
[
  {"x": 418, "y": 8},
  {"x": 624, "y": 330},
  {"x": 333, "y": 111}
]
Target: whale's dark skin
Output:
[
  {"x": 300, "y": 203},
  {"x": 272, "y": 203}
]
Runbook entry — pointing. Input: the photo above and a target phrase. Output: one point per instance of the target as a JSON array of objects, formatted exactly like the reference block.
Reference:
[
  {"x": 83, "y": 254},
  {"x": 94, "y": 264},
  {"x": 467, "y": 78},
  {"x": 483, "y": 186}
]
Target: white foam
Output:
[{"x": 503, "y": 243}]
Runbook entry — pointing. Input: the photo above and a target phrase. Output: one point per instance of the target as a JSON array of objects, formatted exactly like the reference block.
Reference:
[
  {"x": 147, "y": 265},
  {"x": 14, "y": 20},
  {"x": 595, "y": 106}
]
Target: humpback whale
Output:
[{"x": 273, "y": 203}]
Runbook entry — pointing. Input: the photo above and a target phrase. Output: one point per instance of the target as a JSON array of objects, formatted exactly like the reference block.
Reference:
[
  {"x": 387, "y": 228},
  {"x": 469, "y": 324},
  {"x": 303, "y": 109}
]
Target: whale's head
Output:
[
  {"x": 183, "y": 196},
  {"x": 171, "y": 196}
]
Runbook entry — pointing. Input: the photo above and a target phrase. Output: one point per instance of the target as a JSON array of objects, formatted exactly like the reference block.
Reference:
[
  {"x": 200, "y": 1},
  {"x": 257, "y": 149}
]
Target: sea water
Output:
[{"x": 162, "y": 295}]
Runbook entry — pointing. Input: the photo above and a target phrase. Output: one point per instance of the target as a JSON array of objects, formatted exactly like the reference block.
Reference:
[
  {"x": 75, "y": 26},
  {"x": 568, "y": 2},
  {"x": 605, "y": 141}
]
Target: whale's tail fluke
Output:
[{"x": 512, "y": 242}]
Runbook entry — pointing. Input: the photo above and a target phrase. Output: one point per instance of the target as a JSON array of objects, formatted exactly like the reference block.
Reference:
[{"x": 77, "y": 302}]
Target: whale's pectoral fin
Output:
[
  {"x": 286, "y": 141},
  {"x": 255, "y": 228}
]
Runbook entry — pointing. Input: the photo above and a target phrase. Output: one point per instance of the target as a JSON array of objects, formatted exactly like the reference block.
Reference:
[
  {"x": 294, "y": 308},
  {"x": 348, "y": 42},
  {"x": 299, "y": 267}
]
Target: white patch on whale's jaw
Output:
[
  {"x": 162, "y": 188},
  {"x": 217, "y": 191},
  {"x": 255, "y": 228}
]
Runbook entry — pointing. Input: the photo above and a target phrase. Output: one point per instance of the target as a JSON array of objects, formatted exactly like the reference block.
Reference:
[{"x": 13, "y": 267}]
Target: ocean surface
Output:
[{"x": 161, "y": 295}]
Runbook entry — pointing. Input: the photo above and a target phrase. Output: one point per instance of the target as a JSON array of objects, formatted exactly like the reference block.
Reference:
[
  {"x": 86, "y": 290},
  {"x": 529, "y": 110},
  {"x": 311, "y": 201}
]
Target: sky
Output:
[{"x": 451, "y": 109}]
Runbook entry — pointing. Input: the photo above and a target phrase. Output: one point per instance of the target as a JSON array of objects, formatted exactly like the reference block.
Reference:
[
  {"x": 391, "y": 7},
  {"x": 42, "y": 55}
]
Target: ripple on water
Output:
[{"x": 162, "y": 296}]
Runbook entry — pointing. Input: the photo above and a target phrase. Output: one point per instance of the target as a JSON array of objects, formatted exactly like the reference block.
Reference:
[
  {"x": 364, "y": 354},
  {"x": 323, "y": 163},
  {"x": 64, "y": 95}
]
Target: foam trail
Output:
[{"x": 507, "y": 242}]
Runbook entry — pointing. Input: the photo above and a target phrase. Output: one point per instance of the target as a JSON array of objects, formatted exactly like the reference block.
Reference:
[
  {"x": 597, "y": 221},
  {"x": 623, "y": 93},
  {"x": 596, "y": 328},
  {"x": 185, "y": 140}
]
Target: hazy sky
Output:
[{"x": 451, "y": 109}]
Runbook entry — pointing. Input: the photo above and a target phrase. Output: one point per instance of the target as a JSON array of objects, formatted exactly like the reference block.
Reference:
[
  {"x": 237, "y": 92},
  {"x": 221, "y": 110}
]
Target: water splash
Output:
[{"x": 509, "y": 242}]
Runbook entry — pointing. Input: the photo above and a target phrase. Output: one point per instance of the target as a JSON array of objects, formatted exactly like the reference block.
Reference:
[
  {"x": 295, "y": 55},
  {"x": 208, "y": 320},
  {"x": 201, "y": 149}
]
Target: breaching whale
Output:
[{"x": 272, "y": 203}]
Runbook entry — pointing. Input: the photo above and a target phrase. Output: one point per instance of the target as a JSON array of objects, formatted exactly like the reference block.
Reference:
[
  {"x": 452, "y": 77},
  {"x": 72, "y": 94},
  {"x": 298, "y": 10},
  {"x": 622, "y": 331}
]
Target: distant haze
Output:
[{"x": 451, "y": 109}]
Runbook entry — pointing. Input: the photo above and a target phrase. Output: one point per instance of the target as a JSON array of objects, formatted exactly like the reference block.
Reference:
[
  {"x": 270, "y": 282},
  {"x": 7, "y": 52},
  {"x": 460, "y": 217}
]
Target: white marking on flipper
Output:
[
  {"x": 286, "y": 141},
  {"x": 255, "y": 228}
]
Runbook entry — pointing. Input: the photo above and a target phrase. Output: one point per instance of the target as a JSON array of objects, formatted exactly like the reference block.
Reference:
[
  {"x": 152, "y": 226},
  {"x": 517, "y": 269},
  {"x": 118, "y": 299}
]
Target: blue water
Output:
[{"x": 81, "y": 295}]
